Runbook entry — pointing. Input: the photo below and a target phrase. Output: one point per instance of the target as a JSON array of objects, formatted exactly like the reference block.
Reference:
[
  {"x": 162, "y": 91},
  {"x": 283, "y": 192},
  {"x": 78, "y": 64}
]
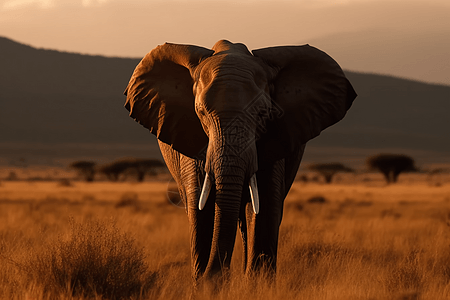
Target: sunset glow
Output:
[{"x": 371, "y": 34}]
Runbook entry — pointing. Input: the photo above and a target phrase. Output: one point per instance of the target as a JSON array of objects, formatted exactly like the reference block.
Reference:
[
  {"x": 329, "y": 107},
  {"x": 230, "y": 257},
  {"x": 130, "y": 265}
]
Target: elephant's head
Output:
[{"x": 218, "y": 105}]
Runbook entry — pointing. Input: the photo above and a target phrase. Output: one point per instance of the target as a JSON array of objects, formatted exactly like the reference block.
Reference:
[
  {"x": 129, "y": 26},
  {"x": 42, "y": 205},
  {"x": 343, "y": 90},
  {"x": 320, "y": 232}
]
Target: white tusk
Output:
[
  {"x": 254, "y": 194},
  {"x": 205, "y": 192}
]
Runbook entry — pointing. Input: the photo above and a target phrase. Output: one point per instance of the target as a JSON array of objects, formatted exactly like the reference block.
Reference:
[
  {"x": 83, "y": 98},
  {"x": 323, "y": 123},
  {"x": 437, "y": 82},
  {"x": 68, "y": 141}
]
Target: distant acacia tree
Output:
[
  {"x": 136, "y": 166},
  {"x": 114, "y": 170},
  {"x": 143, "y": 167},
  {"x": 328, "y": 170},
  {"x": 86, "y": 169},
  {"x": 391, "y": 165}
]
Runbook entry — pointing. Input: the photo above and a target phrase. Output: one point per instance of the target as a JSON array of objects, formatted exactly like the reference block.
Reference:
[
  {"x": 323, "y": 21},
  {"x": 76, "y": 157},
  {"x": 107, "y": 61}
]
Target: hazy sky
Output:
[{"x": 401, "y": 37}]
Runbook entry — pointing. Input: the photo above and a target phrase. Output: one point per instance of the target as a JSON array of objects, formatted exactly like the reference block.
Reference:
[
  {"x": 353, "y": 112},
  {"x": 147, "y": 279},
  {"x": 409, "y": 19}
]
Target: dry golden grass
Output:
[{"x": 366, "y": 241}]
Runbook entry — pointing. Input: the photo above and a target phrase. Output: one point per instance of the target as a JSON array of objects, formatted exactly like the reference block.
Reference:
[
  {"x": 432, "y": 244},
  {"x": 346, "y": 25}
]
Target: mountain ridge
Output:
[{"x": 54, "y": 99}]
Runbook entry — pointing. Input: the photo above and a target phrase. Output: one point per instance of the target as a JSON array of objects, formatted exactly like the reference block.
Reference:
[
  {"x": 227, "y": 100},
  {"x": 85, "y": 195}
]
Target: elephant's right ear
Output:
[{"x": 160, "y": 96}]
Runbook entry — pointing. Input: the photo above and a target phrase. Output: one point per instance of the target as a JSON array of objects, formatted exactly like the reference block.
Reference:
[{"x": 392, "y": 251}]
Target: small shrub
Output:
[
  {"x": 88, "y": 198},
  {"x": 129, "y": 199},
  {"x": 94, "y": 259},
  {"x": 65, "y": 183},
  {"x": 298, "y": 206},
  {"x": 317, "y": 199},
  {"x": 302, "y": 178}
]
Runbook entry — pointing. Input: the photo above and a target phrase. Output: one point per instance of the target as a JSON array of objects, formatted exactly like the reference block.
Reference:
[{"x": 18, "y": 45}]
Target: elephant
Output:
[{"x": 232, "y": 127}]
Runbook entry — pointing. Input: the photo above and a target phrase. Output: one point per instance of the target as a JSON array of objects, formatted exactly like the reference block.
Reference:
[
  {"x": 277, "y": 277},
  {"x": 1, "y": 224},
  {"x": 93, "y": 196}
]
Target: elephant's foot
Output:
[
  {"x": 211, "y": 284},
  {"x": 262, "y": 264}
]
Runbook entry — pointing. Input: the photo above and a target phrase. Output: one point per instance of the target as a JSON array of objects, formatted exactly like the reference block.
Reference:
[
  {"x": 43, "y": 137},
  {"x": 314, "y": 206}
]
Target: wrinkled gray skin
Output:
[{"x": 232, "y": 114}]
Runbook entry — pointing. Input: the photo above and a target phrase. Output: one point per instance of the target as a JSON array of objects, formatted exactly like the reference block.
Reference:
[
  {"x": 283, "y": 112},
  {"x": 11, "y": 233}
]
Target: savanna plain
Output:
[{"x": 357, "y": 238}]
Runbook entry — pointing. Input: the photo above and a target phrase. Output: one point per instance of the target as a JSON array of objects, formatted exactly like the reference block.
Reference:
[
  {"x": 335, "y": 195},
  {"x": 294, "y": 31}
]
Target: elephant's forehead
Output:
[
  {"x": 228, "y": 82},
  {"x": 229, "y": 65}
]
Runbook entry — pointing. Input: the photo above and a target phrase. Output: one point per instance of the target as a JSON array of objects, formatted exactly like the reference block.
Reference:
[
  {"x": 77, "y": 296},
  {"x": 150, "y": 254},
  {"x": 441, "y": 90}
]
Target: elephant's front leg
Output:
[
  {"x": 263, "y": 228},
  {"x": 201, "y": 225},
  {"x": 201, "y": 222}
]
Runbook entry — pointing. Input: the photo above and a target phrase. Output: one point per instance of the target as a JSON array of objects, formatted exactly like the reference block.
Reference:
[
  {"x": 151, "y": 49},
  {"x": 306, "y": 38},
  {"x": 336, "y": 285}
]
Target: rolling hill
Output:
[{"x": 56, "y": 106}]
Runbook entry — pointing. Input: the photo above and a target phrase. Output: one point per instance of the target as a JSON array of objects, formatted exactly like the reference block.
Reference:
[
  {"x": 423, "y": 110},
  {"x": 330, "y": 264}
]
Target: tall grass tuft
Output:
[{"x": 93, "y": 259}]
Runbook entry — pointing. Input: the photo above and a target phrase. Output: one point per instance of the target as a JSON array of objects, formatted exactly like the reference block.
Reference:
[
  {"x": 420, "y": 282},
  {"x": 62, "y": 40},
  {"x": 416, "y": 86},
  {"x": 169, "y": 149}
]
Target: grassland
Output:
[{"x": 366, "y": 240}]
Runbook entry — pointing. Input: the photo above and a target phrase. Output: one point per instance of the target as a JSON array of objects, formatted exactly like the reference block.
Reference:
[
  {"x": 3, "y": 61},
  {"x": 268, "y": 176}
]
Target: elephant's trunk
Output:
[
  {"x": 231, "y": 161},
  {"x": 227, "y": 205},
  {"x": 230, "y": 173}
]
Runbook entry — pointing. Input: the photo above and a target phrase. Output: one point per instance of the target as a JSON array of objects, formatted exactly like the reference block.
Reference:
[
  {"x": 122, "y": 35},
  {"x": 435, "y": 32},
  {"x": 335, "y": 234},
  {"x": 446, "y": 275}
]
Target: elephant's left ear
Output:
[
  {"x": 310, "y": 89},
  {"x": 160, "y": 96}
]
